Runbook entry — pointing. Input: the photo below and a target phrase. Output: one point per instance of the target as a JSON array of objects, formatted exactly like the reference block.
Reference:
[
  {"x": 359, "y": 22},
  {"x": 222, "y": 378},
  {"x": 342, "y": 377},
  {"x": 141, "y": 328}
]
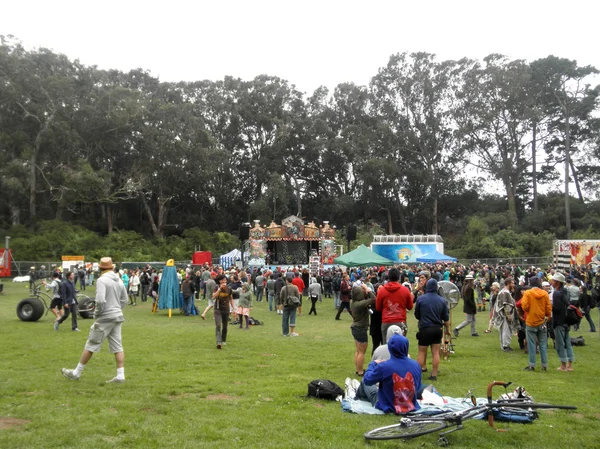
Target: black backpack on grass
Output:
[{"x": 324, "y": 389}]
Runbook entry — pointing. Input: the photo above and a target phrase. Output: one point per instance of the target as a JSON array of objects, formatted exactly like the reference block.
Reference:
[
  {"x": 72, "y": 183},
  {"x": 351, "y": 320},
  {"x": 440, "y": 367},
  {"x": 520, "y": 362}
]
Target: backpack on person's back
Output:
[
  {"x": 573, "y": 315},
  {"x": 336, "y": 285}
]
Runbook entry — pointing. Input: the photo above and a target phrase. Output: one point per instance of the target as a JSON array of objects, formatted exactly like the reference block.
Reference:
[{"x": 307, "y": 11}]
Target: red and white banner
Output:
[{"x": 5, "y": 262}]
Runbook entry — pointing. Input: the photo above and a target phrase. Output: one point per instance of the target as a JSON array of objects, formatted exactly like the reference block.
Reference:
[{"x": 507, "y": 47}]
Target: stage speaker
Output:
[
  {"x": 244, "y": 232},
  {"x": 351, "y": 233}
]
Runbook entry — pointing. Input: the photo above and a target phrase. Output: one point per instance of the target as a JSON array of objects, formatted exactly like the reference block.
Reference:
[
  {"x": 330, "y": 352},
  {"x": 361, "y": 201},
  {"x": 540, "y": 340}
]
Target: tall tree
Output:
[
  {"x": 414, "y": 94},
  {"x": 493, "y": 116},
  {"x": 569, "y": 101}
]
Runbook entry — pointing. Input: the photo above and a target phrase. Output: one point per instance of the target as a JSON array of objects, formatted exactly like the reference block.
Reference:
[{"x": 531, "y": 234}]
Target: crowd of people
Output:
[{"x": 526, "y": 304}]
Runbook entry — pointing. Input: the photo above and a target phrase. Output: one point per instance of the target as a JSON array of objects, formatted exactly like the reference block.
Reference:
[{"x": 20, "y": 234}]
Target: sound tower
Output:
[
  {"x": 244, "y": 232},
  {"x": 351, "y": 233}
]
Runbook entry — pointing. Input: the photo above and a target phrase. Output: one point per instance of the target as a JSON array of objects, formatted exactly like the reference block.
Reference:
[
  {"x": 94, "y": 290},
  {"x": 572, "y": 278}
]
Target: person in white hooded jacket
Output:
[{"x": 111, "y": 298}]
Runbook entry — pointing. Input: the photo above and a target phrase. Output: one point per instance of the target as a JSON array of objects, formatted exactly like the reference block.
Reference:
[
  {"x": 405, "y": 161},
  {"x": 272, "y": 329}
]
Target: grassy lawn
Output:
[{"x": 182, "y": 392}]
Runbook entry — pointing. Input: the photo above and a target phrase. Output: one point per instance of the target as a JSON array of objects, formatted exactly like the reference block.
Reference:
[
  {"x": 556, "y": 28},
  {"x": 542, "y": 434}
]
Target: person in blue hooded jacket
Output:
[
  {"x": 399, "y": 380},
  {"x": 432, "y": 312}
]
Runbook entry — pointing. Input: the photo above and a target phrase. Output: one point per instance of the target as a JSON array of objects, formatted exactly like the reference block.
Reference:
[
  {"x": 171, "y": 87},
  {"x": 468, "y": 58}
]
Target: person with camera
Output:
[
  {"x": 363, "y": 299},
  {"x": 560, "y": 303}
]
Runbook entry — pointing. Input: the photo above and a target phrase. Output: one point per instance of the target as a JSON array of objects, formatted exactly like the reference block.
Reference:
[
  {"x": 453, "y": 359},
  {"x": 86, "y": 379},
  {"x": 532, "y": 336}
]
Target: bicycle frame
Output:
[{"x": 415, "y": 426}]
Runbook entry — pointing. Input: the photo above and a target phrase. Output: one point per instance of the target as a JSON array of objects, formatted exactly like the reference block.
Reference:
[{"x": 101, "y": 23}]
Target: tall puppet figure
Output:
[{"x": 168, "y": 289}]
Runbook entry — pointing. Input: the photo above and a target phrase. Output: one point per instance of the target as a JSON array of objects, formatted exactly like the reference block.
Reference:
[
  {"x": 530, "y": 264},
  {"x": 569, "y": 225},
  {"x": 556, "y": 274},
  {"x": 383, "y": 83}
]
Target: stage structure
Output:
[{"x": 292, "y": 243}]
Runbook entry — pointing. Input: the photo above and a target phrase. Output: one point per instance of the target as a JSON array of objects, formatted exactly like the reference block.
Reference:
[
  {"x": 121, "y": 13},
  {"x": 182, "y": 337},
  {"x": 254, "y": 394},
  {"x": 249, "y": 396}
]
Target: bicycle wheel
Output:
[{"x": 404, "y": 430}]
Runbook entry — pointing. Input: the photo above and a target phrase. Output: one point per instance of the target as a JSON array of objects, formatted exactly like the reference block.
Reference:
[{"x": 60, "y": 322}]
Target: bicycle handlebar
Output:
[{"x": 489, "y": 398}]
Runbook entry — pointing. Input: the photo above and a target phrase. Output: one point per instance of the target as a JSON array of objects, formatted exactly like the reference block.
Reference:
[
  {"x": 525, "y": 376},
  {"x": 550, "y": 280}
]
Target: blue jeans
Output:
[
  {"x": 563, "y": 344},
  {"x": 537, "y": 336},
  {"x": 259, "y": 293},
  {"x": 336, "y": 299},
  {"x": 188, "y": 303},
  {"x": 271, "y": 296},
  {"x": 368, "y": 393},
  {"x": 288, "y": 319},
  {"x": 586, "y": 313}
]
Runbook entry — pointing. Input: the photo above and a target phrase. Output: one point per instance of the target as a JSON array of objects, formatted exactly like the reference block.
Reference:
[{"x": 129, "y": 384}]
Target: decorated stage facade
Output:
[{"x": 292, "y": 243}]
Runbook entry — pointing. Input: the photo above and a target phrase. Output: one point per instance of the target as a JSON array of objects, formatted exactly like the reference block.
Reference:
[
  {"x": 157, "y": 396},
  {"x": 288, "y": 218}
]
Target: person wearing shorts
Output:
[
  {"x": 433, "y": 314},
  {"x": 111, "y": 298},
  {"x": 362, "y": 299},
  {"x": 56, "y": 303}
]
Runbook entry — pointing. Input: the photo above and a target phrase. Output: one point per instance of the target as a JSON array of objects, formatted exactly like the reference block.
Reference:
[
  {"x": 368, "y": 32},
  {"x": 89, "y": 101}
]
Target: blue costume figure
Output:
[{"x": 169, "y": 296}]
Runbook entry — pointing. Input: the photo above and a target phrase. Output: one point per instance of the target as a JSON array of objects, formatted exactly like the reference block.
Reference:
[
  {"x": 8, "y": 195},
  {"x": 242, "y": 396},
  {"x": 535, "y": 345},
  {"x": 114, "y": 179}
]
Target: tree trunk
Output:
[
  {"x": 567, "y": 163},
  {"x": 298, "y": 199},
  {"x": 534, "y": 168},
  {"x": 434, "y": 229},
  {"x": 512, "y": 204},
  {"x": 389, "y": 220},
  {"x": 109, "y": 219},
  {"x": 15, "y": 214},
  {"x": 32, "y": 171},
  {"x": 401, "y": 215},
  {"x": 576, "y": 179},
  {"x": 149, "y": 215},
  {"x": 158, "y": 227}
]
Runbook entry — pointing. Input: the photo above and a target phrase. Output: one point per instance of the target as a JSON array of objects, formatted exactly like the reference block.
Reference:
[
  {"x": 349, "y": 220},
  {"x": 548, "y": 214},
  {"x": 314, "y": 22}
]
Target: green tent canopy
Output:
[{"x": 362, "y": 257}]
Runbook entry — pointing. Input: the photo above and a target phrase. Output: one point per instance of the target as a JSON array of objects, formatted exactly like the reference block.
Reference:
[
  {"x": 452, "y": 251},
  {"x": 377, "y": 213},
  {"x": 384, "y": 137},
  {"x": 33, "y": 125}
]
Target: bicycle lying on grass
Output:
[
  {"x": 416, "y": 426},
  {"x": 33, "y": 308}
]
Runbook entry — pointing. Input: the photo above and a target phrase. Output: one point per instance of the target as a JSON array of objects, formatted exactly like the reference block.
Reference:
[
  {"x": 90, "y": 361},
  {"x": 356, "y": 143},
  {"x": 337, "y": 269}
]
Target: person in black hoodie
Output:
[
  {"x": 69, "y": 302},
  {"x": 560, "y": 302}
]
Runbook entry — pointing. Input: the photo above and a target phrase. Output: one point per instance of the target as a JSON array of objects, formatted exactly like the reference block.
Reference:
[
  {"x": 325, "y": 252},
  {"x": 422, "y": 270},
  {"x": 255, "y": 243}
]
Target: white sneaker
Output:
[
  {"x": 115, "y": 380},
  {"x": 69, "y": 374},
  {"x": 294, "y": 334},
  {"x": 350, "y": 390}
]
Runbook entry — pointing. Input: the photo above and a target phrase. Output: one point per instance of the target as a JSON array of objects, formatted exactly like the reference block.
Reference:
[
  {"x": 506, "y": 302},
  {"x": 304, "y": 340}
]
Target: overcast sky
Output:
[{"x": 309, "y": 43}]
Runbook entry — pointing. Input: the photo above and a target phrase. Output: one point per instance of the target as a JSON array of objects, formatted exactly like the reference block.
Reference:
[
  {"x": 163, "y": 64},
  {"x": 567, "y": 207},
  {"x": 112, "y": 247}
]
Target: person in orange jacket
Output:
[{"x": 536, "y": 304}]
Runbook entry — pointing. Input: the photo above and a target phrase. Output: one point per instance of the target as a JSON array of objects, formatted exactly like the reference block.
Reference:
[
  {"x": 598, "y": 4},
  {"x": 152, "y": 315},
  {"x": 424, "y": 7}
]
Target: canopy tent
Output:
[
  {"x": 435, "y": 257},
  {"x": 227, "y": 260},
  {"x": 362, "y": 257}
]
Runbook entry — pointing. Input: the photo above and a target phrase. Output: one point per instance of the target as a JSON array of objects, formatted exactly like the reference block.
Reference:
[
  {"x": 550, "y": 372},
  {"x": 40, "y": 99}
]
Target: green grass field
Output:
[{"x": 182, "y": 392}]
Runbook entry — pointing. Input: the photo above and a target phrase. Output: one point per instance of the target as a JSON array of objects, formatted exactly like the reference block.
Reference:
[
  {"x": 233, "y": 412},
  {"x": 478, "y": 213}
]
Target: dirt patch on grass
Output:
[
  {"x": 319, "y": 405},
  {"x": 262, "y": 366},
  {"x": 577, "y": 415},
  {"x": 9, "y": 423},
  {"x": 220, "y": 397},
  {"x": 31, "y": 393},
  {"x": 268, "y": 355}
]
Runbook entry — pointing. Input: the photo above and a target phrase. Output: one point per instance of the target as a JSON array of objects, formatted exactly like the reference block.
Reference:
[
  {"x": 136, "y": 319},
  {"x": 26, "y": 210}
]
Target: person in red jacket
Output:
[
  {"x": 393, "y": 300},
  {"x": 299, "y": 283},
  {"x": 345, "y": 290}
]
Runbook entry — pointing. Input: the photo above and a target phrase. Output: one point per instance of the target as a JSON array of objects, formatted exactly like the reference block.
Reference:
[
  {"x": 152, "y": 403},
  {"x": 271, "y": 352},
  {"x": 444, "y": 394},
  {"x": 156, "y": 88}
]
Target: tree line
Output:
[{"x": 427, "y": 147}]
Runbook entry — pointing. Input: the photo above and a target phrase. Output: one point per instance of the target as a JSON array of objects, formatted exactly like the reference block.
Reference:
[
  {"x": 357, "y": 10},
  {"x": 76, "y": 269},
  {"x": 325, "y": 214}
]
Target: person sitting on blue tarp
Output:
[{"x": 399, "y": 380}]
